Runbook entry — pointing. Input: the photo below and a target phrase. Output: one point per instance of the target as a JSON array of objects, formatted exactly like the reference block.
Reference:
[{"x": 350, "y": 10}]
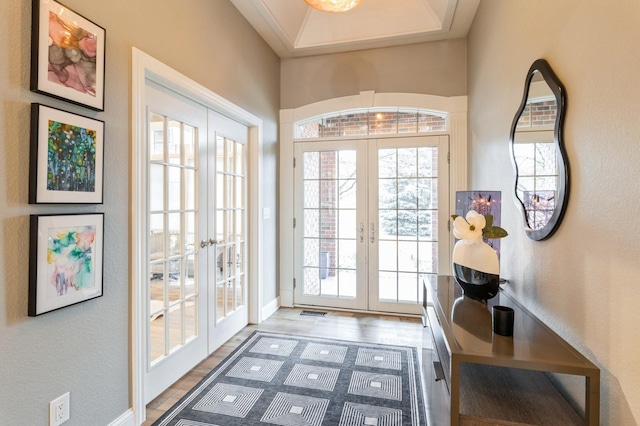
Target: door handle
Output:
[
  {"x": 205, "y": 243},
  {"x": 212, "y": 241}
]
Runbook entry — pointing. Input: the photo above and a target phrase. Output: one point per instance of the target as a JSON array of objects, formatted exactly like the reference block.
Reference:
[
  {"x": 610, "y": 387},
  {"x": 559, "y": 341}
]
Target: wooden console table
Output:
[{"x": 493, "y": 379}]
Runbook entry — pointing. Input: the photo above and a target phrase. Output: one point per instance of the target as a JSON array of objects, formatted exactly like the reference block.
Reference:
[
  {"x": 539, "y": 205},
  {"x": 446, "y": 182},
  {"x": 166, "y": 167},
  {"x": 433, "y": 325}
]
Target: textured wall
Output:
[
  {"x": 582, "y": 281},
  {"x": 437, "y": 68},
  {"x": 84, "y": 349}
]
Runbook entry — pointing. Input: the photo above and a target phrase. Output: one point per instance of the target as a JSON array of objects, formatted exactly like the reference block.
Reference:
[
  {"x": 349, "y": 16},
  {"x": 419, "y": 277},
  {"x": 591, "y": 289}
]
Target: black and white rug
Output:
[{"x": 292, "y": 380}]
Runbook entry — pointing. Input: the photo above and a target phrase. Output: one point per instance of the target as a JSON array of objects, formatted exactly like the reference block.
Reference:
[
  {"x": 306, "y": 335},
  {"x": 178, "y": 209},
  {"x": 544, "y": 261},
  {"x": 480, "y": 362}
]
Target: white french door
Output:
[
  {"x": 371, "y": 218},
  {"x": 197, "y": 234}
]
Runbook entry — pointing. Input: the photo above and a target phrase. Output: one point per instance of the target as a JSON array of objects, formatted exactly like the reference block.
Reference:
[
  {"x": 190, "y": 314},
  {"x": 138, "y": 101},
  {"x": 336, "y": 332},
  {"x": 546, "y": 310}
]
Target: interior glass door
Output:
[{"x": 177, "y": 311}]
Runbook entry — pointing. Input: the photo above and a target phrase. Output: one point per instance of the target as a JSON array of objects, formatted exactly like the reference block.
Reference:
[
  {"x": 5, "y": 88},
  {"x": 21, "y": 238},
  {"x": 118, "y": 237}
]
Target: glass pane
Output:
[
  {"x": 220, "y": 202},
  {"x": 428, "y": 255},
  {"x": 220, "y": 226},
  {"x": 407, "y": 122},
  {"x": 331, "y": 126},
  {"x": 239, "y": 200},
  {"x": 387, "y": 194},
  {"x": 190, "y": 189},
  {"x": 524, "y": 154},
  {"x": 388, "y": 223},
  {"x": 190, "y": 318},
  {"x": 328, "y": 194},
  {"x": 388, "y": 255},
  {"x": 546, "y": 163},
  {"x": 347, "y": 224},
  {"x": 328, "y": 165},
  {"x": 311, "y": 168},
  {"x": 189, "y": 145},
  {"x": 311, "y": 252},
  {"x": 431, "y": 123},
  {"x": 240, "y": 159},
  {"x": 329, "y": 284},
  {"x": 347, "y": 194},
  {"x": 347, "y": 164},
  {"x": 156, "y": 187},
  {"x": 190, "y": 243},
  {"x": 175, "y": 234},
  {"x": 310, "y": 129},
  {"x": 175, "y": 188},
  {"x": 240, "y": 225},
  {"x": 328, "y": 225},
  {"x": 387, "y": 163},
  {"x": 230, "y": 296},
  {"x": 347, "y": 254},
  {"x": 156, "y": 336},
  {"x": 175, "y": 326},
  {"x": 383, "y": 122},
  {"x": 230, "y": 155},
  {"x": 156, "y": 288},
  {"x": 239, "y": 292},
  {"x": 220, "y": 154},
  {"x": 174, "y": 141},
  {"x": 408, "y": 288},
  {"x": 347, "y": 283},
  {"x": 220, "y": 295},
  {"x": 311, "y": 194},
  {"x": 311, "y": 281},
  {"x": 428, "y": 162},
  {"x": 190, "y": 275},
  {"x": 407, "y": 256},
  {"x": 156, "y": 134},
  {"x": 408, "y": 162},
  {"x": 428, "y": 193},
  {"x": 428, "y": 225},
  {"x": 407, "y": 193},
  {"x": 354, "y": 124},
  {"x": 174, "y": 280},
  {"x": 407, "y": 224},
  {"x": 387, "y": 286},
  {"x": 311, "y": 223}
]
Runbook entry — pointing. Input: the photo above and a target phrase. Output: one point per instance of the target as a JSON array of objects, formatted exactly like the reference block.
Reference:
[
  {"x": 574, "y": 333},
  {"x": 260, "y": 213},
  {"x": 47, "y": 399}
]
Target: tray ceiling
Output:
[{"x": 292, "y": 28}]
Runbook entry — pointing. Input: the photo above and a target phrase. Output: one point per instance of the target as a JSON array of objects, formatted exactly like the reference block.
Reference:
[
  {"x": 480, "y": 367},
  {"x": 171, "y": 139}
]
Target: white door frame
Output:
[
  {"x": 456, "y": 128},
  {"x": 146, "y": 67}
]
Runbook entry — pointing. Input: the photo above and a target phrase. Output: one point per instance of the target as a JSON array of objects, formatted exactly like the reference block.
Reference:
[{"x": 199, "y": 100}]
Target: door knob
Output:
[{"x": 205, "y": 243}]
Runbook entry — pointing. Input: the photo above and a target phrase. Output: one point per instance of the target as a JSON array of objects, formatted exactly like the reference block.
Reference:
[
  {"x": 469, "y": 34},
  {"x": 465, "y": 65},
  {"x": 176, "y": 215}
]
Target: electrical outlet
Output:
[{"x": 59, "y": 410}]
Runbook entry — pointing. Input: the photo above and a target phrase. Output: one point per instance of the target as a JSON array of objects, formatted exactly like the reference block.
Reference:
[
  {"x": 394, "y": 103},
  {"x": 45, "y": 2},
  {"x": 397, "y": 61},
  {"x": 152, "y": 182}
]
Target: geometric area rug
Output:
[{"x": 290, "y": 380}]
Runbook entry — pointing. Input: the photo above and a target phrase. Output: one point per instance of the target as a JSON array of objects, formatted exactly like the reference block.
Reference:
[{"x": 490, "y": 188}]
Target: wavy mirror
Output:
[{"x": 537, "y": 149}]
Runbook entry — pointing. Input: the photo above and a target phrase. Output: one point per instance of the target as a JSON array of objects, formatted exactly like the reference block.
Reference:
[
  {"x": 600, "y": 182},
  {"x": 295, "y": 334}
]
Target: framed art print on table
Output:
[
  {"x": 67, "y": 55},
  {"x": 67, "y": 157},
  {"x": 65, "y": 260}
]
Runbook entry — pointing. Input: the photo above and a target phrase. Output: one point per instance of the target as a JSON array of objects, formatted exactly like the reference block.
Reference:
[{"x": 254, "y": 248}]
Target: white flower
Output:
[{"x": 469, "y": 228}]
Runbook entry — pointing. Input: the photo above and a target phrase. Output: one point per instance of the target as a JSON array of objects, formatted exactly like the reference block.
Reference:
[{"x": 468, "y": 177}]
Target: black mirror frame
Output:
[{"x": 542, "y": 66}]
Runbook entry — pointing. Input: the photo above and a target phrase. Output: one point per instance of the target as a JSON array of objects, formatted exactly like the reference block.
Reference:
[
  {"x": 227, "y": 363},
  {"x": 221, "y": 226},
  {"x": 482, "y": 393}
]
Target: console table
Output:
[{"x": 491, "y": 379}]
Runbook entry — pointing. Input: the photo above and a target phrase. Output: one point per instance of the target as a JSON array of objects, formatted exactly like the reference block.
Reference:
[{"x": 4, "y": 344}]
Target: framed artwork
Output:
[
  {"x": 65, "y": 260},
  {"x": 67, "y": 156},
  {"x": 67, "y": 55}
]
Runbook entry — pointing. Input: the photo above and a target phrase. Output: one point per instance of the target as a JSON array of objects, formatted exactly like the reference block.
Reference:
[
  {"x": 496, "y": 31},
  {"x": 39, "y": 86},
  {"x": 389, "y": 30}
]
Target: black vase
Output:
[{"x": 476, "y": 284}]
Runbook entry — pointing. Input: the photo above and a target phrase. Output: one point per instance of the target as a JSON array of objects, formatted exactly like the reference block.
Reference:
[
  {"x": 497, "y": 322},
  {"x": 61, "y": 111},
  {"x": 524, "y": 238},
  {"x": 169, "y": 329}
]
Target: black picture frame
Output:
[
  {"x": 66, "y": 157},
  {"x": 65, "y": 260},
  {"x": 67, "y": 55}
]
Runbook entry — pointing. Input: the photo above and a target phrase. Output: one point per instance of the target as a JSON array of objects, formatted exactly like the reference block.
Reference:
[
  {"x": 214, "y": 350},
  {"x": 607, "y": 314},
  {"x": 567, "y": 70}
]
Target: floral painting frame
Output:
[
  {"x": 67, "y": 157},
  {"x": 65, "y": 260},
  {"x": 67, "y": 55}
]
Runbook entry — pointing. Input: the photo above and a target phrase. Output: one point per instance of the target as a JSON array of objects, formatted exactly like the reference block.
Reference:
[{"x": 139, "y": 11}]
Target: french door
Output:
[
  {"x": 196, "y": 227},
  {"x": 371, "y": 218}
]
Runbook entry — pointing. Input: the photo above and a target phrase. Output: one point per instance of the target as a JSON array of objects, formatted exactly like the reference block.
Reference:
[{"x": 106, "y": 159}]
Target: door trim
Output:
[
  {"x": 146, "y": 67},
  {"x": 455, "y": 106}
]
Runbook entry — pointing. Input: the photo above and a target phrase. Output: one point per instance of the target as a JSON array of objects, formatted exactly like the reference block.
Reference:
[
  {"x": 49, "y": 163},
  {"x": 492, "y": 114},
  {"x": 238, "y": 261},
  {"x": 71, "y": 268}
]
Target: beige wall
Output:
[
  {"x": 84, "y": 349},
  {"x": 437, "y": 68},
  {"x": 583, "y": 281}
]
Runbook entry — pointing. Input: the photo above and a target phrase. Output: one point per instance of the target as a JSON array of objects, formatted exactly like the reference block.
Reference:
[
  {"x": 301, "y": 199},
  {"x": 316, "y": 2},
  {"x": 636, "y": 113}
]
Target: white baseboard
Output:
[
  {"x": 270, "y": 308},
  {"x": 126, "y": 419}
]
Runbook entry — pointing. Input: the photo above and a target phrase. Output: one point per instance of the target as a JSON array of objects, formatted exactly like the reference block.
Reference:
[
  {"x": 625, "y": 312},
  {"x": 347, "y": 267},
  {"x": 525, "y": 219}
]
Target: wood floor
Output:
[{"x": 338, "y": 325}]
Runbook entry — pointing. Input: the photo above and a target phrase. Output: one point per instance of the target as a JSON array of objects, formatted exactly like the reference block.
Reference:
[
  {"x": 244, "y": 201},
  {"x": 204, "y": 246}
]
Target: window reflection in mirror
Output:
[
  {"x": 537, "y": 148},
  {"x": 535, "y": 154}
]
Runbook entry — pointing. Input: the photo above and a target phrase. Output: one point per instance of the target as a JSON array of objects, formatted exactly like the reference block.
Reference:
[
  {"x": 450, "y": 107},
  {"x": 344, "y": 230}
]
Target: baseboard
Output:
[
  {"x": 270, "y": 308},
  {"x": 126, "y": 419}
]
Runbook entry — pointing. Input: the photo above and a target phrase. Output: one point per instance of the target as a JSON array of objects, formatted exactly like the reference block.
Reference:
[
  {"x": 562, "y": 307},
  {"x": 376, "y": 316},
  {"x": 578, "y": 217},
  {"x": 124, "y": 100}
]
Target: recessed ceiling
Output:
[{"x": 292, "y": 28}]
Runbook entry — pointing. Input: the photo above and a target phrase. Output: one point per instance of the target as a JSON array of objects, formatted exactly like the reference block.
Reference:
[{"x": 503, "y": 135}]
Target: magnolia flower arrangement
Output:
[
  {"x": 475, "y": 264},
  {"x": 476, "y": 225}
]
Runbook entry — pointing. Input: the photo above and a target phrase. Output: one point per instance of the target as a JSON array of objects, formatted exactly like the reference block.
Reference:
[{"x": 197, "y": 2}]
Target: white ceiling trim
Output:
[{"x": 294, "y": 29}]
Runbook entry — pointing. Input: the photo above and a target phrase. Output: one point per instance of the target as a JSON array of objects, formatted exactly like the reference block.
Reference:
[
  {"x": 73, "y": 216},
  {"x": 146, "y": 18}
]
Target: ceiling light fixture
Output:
[{"x": 333, "y": 5}]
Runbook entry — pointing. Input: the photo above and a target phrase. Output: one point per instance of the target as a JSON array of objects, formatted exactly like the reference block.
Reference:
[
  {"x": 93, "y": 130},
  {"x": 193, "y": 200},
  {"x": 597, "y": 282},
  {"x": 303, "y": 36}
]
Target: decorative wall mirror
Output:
[{"x": 537, "y": 149}]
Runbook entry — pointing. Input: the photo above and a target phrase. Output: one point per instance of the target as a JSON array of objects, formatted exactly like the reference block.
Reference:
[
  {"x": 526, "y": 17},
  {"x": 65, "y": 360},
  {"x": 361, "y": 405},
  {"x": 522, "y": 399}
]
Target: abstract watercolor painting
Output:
[
  {"x": 66, "y": 260},
  {"x": 66, "y": 157},
  {"x": 67, "y": 55}
]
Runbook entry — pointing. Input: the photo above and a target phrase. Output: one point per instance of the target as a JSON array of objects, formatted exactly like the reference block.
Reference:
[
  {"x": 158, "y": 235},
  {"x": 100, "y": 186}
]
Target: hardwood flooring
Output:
[{"x": 360, "y": 327}]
